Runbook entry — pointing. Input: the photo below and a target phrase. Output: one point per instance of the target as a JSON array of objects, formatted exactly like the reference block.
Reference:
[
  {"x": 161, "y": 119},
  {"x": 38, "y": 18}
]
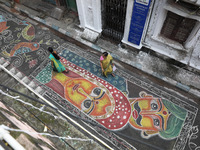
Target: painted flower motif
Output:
[{"x": 32, "y": 63}]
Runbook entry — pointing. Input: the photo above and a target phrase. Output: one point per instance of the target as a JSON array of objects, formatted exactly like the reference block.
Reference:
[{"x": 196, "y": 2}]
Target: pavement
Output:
[{"x": 130, "y": 110}]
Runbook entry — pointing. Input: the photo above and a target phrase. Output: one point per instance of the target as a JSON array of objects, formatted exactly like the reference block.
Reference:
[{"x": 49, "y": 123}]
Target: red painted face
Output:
[
  {"x": 96, "y": 97},
  {"x": 87, "y": 96}
]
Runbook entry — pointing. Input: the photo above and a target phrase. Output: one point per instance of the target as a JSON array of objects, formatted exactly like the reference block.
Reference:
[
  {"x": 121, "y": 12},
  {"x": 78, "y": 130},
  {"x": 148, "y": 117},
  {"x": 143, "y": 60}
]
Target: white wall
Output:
[
  {"x": 189, "y": 52},
  {"x": 90, "y": 14}
]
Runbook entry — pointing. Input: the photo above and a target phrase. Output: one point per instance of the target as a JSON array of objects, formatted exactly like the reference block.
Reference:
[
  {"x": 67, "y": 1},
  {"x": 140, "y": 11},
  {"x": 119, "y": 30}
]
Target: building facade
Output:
[
  {"x": 173, "y": 30},
  {"x": 168, "y": 27}
]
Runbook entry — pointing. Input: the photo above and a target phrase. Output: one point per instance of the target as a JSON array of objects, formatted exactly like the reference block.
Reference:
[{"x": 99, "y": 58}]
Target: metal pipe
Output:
[{"x": 4, "y": 135}]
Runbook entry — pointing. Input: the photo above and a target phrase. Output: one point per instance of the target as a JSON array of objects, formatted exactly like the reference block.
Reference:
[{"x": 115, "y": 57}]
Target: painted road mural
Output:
[
  {"x": 122, "y": 104},
  {"x": 111, "y": 107}
]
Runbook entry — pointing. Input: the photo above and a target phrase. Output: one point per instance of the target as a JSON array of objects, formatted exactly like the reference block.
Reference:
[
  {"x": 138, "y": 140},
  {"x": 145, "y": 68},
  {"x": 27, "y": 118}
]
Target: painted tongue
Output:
[{"x": 135, "y": 114}]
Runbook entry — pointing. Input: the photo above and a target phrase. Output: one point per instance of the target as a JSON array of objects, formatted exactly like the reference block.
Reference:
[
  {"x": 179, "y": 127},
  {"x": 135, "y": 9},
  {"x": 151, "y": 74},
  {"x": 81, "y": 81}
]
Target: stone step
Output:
[
  {"x": 6, "y": 80},
  {"x": 26, "y": 80},
  {"x": 22, "y": 89},
  {"x": 4, "y": 77},
  {"x": 9, "y": 67},
  {"x": 13, "y": 71},
  {"x": 39, "y": 90},
  {"x": 11, "y": 83},
  {"x": 32, "y": 85},
  {"x": 2, "y": 61},
  {"x": 1, "y": 72},
  {"x": 6, "y": 64},
  {"x": 19, "y": 75}
]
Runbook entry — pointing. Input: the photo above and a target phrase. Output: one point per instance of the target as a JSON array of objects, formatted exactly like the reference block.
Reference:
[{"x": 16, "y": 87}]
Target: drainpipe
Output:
[
  {"x": 147, "y": 26},
  {"x": 4, "y": 135}
]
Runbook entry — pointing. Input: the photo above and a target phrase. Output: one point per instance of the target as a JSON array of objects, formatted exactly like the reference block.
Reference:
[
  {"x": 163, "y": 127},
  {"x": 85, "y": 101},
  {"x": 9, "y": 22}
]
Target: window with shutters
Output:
[{"x": 177, "y": 28}]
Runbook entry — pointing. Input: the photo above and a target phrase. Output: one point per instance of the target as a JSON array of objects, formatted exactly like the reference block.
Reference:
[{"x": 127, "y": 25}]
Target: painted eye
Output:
[
  {"x": 97, "y": 91},
  {"x": 156, "y": 122},
  {"x": 87, "y": 103},
  {"x": 87, "y": 106},
  {"x": 154, "y": 106}
]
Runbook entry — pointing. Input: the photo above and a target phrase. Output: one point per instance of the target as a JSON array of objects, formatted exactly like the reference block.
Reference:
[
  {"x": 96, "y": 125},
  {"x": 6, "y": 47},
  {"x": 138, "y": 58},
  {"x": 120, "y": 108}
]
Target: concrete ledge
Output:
[
  {"x": 155, "y": 74},
  {"x": 169, "y": 80},
  {"x": 90, "y": 35},
  {"x": 39, "y": 90},
  {"x": 97, "y": 48},
  {"x": 136, "y": 65},
  {"x": 19, "y": 75},
  {"x": 6, "y": 64},
  {"x": 32, "y": 85},
  {"x": 183, "y": 87},
  {"x": 55, "y": 27},
  {"x": 61, "y": 30},
  {"x": 26, "y": 80},
  {"x": 8, "y": 3},
  {"x": 195, "y": 92},
  {"x": 13, "y": 71}
]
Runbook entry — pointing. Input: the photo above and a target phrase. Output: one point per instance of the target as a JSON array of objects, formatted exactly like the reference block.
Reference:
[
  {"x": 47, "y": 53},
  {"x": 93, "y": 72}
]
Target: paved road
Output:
[{"x": 126, "y": 111}]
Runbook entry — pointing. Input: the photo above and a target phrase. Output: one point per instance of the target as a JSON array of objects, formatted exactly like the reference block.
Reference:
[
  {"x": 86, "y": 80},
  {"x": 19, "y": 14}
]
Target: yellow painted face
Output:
[
  {"x": 149, "y": 114},
  {"x": 87, "y": 96}
]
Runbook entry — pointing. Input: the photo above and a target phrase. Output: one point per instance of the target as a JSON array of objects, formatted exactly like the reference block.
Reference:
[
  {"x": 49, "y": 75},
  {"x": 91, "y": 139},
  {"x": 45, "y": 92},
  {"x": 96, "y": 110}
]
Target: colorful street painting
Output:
[
  {"x": 123, "y": 103},
  {"x": 107, "y": 99},
  {"x": 24, "y": 44}
]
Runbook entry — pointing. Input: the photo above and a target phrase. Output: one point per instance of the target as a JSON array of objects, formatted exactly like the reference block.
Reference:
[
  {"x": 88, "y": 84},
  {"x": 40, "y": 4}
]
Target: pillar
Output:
[{"x": 89, "y": 12}]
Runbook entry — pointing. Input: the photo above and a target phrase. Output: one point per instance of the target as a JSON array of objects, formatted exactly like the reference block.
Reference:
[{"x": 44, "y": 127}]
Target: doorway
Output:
[
  {"x": 113, "y": 18},
  {"x": 71, "y": 4}
]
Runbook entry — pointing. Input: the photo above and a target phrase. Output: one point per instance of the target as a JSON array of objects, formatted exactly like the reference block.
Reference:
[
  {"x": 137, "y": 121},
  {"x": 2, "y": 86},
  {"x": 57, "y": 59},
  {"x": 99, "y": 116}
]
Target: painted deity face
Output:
[
  {"x": 87, "y": 96},
  {"x": 149, "y": 114}
]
